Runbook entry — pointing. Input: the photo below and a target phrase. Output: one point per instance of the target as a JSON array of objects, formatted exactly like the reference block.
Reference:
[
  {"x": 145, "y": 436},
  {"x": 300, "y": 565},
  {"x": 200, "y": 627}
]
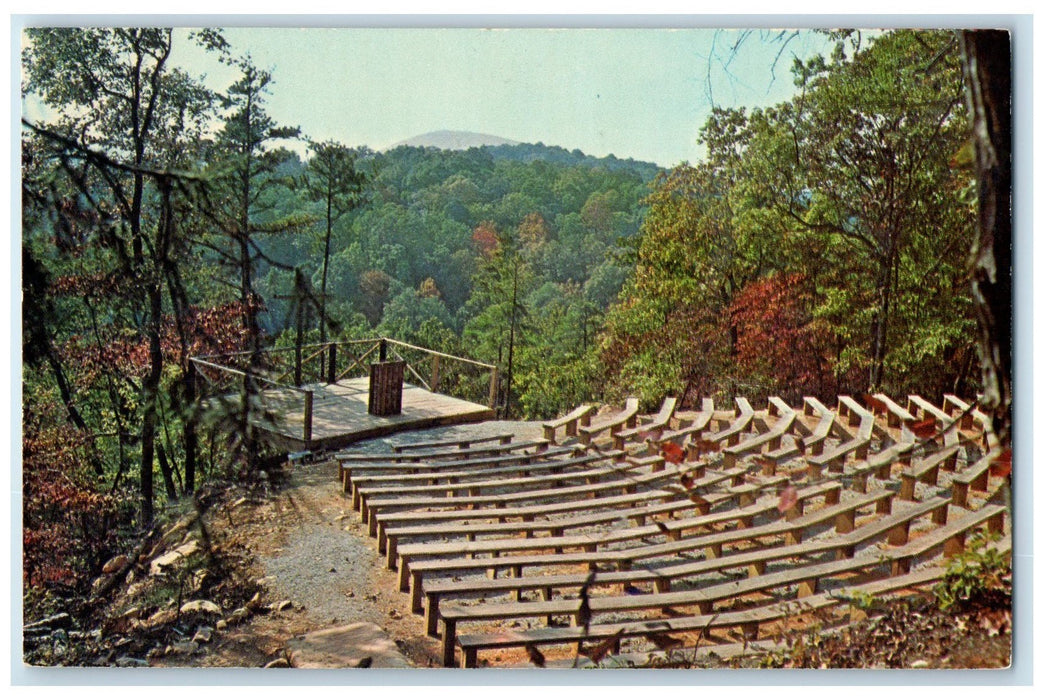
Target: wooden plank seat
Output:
[
  {"x": 436, "y": 588},
  {"x": 348, "y": 457},
  {"x": 813, "y": 444},
  {"x": 409, "y": 570},
  {"x": 973, "y": 423},
  {"x": 661, "y": 576},
  {"x": 454, "y": 445},
  {"x": 879, "y": 464},
  {"x": 950, "y": 538},
  {"x": 748, "y": 620},
  {"x": 654, "y": 426},
  {"x": 390, "y": 537},
  {"x": 697, "y": 425},
  {"x": 772, "y": 438},
  {"x": 974, "y": 477},
  {"x": 549, "y": 460},
  {"x": 947, "y": 427},
  {"x": 588, "y": 542},
  {"x": 579, "y": 416},
  {"x": 806, "y": 577},
  {"x": 428, "y": 468},
  {"x": 530, "y": 512},
  {"x": 840, "y": 516},
  {"x": 926, "y": 470},
  {"x": 895, "y": 416},
  {"x": 858, "y": 443},
  {"x": 729, "y": 435},
  {"x": 657, "y": 473},
  {"x": 557, "y": 478},
  {"x": 614, "y": 423}
]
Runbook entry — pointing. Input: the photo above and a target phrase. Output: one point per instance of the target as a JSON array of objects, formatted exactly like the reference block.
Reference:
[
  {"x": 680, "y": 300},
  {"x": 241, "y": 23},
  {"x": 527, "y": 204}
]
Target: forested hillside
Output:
[{"x": 820, "y": 247}]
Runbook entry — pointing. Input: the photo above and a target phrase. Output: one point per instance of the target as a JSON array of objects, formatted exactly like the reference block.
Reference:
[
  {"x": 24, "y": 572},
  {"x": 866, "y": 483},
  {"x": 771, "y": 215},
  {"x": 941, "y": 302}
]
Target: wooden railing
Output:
[{"x": 294, "y": 371}]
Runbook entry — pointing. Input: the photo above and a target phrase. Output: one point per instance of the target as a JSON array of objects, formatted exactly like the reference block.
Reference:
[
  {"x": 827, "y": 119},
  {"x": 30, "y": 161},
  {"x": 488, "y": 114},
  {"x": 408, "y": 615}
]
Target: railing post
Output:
[
  {"x": 493, "y": 388},
  {"x": 331, "y": 369},
  {"x": 383, "y": 352},
  {"x": 308, "y": 416},
  {"x": 434, "y": 373}
]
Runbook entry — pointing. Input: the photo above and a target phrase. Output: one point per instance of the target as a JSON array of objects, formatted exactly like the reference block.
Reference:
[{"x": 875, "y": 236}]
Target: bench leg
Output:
[
  {"x": 756, "y": 569},
  {"x": 808, "y": 588},
  {"x": 417, "y": 594},
  {"x": 404, "y": 575},
  {"x": 900, "y": 534},
  {"x": 431, "y": 615},
  {"x": 845, "y": 522},
  {"x": 449, "y": 640},
  {"x": 391, "y": 547},
  {"x": 470, "y": 658},
  {"x": 960, "y": 494},
  {"x": 906, "y": 490}
]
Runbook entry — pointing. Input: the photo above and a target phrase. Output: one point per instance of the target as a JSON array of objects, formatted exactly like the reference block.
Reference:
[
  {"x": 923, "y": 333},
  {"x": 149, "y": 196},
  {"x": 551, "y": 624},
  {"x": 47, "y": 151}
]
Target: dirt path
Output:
[{"x": 306, "y": 545}]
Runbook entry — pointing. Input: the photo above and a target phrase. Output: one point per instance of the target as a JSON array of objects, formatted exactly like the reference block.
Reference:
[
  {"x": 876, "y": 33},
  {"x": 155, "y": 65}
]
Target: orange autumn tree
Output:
[{"x": 780, "y": 347}]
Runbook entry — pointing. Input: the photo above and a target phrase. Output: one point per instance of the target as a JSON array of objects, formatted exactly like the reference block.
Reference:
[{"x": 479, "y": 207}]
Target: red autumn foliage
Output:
[
  {"x": 68, "y": 526},
  {"x": 213, "y": 331},
  {"x": 485, "y": 239},
  {"x": 777, "y": 341}
]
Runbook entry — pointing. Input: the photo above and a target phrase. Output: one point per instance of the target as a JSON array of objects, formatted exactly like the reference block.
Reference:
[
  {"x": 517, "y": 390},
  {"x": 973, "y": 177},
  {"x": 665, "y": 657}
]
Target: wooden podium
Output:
[{"x": 386, "y": 388}]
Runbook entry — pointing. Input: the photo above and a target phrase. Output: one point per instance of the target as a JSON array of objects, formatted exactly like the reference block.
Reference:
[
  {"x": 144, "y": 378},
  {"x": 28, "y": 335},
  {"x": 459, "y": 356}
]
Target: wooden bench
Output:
[
  {"x": 948, "y": 428},
  {"x": 629, "y": 484},
  {"x": 949, "y": 538},
  {"x": 880, "y": 464},
  {"x": 430, "y": 455},
  {"x": 840, "y": 515},
  {"x": 549, "y": 461},
  {"x": 436, "y": 590},
  {"x": 429, "y": 468},
  {"x": 390, "y": 537},
  {"x": 579, "y": 416},
  {"x": 858, "y": 444},
  {"x": 698, "y": 424},
  {"x": 661, "y": 578},
  {"x": 730, "y": 435},
  {"x": 653, "y": 427},
  {"x": 926, "y": 471},
  {"x": 807, "y": 579},
  {"x": 453, "y": 445},
  {"x": 412, "y": 573},
  {"x": 628, "y": 500},
  {"x": 558, "y": 477},
  {"x": 747, "y": 620},
  {"x": 588, "y": 542},
  {"x": 772, "y": 438},
  {"x": 974, "y": 477},
  {"x": 968, "y": 418},
  {"x": 614, "y": 423}
]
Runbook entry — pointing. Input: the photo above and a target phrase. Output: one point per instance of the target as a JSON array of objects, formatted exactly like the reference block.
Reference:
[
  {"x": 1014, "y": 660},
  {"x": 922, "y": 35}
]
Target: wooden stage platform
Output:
[{"x": 340, "y": 417}]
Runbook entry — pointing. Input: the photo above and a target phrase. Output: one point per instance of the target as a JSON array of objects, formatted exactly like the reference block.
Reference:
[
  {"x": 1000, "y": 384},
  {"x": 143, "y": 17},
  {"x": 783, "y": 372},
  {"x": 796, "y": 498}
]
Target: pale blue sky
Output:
[{"x": 638, "y": 93}]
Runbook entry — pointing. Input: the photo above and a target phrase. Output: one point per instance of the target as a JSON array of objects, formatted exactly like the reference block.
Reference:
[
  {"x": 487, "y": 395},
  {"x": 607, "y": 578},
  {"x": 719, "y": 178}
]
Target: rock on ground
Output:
[{"x": 346, "y": 647}]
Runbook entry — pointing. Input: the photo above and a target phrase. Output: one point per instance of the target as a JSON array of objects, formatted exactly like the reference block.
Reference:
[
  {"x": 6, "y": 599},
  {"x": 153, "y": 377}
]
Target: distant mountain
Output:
[
  {"x": 501, "y": 148},
  {"x": 454, "y": 140}
]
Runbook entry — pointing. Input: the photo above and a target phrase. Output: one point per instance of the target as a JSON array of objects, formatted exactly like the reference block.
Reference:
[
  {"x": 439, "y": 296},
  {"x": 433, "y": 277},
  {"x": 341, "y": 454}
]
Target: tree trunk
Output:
[{"x": 987, "y": 76}]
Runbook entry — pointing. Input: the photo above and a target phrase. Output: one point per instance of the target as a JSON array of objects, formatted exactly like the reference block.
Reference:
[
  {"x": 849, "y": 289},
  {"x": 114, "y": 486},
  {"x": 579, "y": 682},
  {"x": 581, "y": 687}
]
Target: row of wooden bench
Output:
[{"x": 500, "y": 505}]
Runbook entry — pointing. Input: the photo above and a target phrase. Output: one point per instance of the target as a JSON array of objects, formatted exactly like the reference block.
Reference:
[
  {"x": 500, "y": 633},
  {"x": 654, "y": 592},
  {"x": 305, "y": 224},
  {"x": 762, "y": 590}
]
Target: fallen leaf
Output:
[
  {"x": 672, "y": 453},
  {"x": 788, "y": 497},
  {"x": 598, "y": 653},
  {"x": 1000, "y": 466},
  {"x": 535, "y": 656}
]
